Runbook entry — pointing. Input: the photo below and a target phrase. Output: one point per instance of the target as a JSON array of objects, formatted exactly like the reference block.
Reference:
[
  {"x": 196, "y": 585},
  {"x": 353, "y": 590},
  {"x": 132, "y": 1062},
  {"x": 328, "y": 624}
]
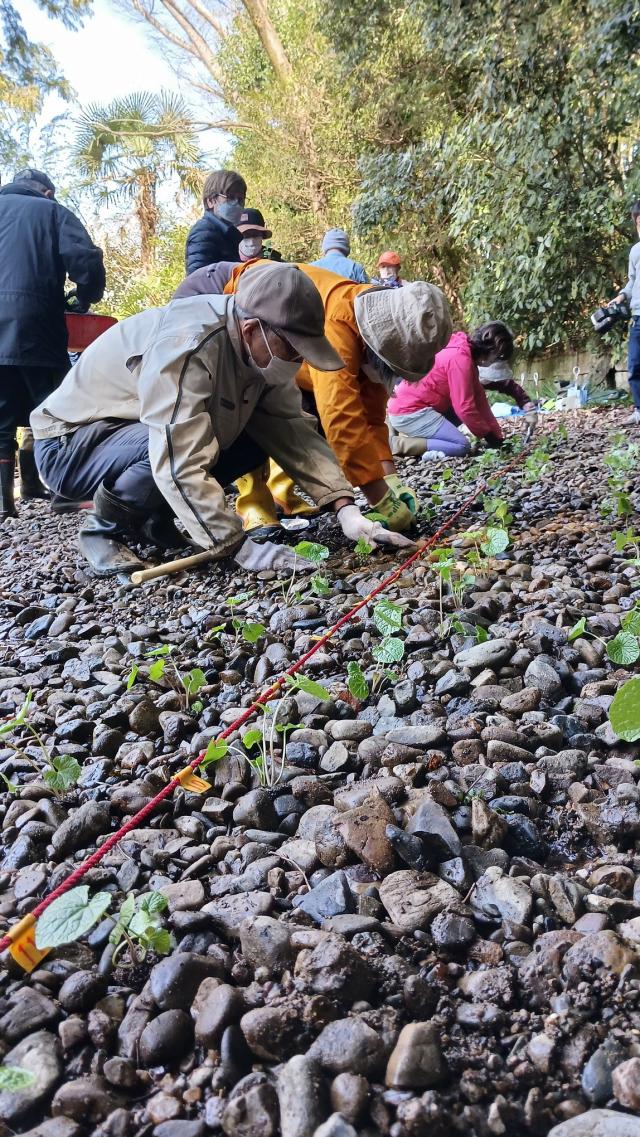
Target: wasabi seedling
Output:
[{"x": 62, "y": 771}]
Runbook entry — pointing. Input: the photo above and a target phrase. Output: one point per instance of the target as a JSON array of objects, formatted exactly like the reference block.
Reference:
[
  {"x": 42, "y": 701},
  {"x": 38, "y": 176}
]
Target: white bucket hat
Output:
[{"x": 405, "y": 326}]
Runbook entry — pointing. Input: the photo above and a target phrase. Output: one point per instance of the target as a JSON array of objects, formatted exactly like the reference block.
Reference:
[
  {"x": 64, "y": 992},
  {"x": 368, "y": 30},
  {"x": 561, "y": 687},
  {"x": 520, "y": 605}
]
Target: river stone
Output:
[
  {"x": 544, "y": 677},
  {"x": 175, "y": 980},
  {"x": 252, "y": 1113},
  {"x": 491, "y": 653},
  {"x": 89, "y": 1100},
  {"x": 29, "y": 1010},
  {"x": 413, "y": 898},
  {"x": 166, "y": 1039},
  {"x": 348, "y": 1045},
  {"x": 626, "y": 1084},
  {"x": 41, "y": 1056},
  {"x": 265, "y": 943},
  {"x": 82, "y": 827},
  {"x": 598, "y": 1123},
  {"x": 416, "y": 1062},
  {"x": 498, "y": 895},
  {"x": 230, "y": 912},
  {"x": 602, "y": 950},
  {"x": 301, "y": 1096},
  {"x": 431, "y": 823}
]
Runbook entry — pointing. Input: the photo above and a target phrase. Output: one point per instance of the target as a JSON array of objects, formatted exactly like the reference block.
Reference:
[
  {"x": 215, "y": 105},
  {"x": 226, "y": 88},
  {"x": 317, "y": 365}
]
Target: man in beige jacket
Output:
[{"x": 171, "y": 405}]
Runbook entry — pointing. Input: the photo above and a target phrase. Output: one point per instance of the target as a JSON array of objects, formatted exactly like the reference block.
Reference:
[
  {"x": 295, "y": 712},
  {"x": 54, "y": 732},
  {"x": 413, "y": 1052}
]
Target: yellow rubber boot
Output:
[
  {"x": 255, "y": 505},
  {"x": 284, "y": 494}
]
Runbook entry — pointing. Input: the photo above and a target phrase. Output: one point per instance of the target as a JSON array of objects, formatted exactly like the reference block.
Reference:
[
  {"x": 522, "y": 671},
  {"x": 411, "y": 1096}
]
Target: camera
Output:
[{"x": 603, "y": 319}]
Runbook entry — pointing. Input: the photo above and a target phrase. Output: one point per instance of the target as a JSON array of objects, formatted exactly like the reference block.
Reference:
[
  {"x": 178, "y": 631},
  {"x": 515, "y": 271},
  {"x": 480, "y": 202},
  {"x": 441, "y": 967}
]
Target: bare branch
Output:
[
  {"x": 271, "y": 42},
  {"x": 209, "y": 17}
]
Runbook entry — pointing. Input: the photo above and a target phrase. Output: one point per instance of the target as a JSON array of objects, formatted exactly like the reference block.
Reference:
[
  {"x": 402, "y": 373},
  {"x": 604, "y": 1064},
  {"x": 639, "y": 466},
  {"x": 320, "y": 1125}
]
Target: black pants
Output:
[
  {"x": 21, "y": 389},
  {"x": 117, "y": 453}
]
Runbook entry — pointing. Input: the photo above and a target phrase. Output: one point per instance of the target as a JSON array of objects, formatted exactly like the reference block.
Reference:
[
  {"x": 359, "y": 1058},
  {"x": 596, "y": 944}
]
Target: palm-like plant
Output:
[{"x": 126, "y": 148}]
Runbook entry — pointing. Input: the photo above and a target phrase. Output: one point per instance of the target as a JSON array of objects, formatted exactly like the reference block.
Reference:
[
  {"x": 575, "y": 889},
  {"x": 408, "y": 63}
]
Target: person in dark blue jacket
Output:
[
  {"x": 41, "y": 244},
  {"x": 215, "y": 237}
]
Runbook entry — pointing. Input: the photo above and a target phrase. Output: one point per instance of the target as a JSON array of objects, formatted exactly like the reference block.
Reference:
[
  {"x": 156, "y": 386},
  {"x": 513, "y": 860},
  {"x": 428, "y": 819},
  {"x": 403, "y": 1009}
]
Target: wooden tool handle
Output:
[{"x": 171, "y": 567}]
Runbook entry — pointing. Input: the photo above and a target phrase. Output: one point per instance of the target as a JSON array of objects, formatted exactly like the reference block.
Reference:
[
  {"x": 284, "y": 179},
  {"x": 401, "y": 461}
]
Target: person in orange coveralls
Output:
[{"x": 381, "y": 334}]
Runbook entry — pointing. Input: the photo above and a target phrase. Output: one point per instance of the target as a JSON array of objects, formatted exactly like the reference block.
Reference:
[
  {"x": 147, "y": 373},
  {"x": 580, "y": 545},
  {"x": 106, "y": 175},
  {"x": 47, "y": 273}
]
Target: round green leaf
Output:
[
  {"x": 624, "y": 712},
  {"x": 70, "y": 916},
  {"x": 623, "y": 648},
  {"x": 356, "y": 681},
  {"x": 311, "y": 551},
  {"x": 496, "y": 542},
  {"x": 389, "y": 650},
  {"x": 251, "y": 632},
  {"x": 387, "y": 617}
]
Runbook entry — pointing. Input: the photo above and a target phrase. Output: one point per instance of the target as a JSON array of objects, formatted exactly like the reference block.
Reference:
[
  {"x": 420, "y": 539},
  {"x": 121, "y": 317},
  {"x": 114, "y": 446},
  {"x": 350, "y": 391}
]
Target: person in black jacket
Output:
[
  {"x": 215, "y": 237},
  {"x": 41, "y": 243}
]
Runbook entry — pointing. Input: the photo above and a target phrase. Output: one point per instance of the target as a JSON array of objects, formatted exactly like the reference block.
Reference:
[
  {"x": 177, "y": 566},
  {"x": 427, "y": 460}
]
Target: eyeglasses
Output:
[
  {"x": 294, "y": 356},
  {"x": 231, "y": 200}
]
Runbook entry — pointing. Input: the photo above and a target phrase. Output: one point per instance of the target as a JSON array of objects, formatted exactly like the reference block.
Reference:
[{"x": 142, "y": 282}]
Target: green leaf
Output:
[
  {"x": 153, "y": 902},
  {"x": 252, "y": 632},
  {"x": 156, "y": 671},
  {"x": 623, "y": 648},
  {"x": 363, "y": 548},
  {"x": 311, "y": 551},
  {"x": 133, "y": 675},
  {"x": 194, "y": 680},
  {"x": 252, "y": 738},
  {"x": 14, "y": 1078},
  {"x": 239, "y": 599},
  {"x": 482, "y": 634},
  {"x": 624, "y": 712},
  {"x": 165, "y": 649},
  {"x": 631, "y": 621},
  {"x": 158, "y": 940},
  {"x": 309, "y": 686},
  {"x": 387, "y": 617},
  {"x": 126, "y": 911},
  {"x": 496, "y": 542},
  {"x": 356, "y": 681},
  {"x": 320, "y": 585},
  {"x": 64, "y": 773},
  {"x": 216, "y": 750},
  {"x": 577, "y": 629},
  {"x": 389, "y": 650},
  {"x": 70, "y": 916}
]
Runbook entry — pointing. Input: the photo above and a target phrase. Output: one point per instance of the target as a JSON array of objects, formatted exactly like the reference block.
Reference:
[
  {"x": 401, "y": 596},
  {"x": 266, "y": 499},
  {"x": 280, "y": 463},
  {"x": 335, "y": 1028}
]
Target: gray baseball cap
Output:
[{"x": 289, "y": 302}]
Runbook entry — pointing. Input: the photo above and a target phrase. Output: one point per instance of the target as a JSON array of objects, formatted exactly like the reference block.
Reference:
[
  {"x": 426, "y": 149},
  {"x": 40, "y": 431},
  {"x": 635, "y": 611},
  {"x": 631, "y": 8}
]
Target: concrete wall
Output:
[{"x": 560, "y": 366}]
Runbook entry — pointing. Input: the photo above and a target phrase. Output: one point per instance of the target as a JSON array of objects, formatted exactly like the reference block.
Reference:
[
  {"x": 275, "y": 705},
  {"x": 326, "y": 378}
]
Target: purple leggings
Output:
[{"x": 449, "y": 440}]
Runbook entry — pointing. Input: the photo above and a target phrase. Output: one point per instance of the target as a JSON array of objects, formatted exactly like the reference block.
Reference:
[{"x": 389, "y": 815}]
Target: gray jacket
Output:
[
  {"x": 632, "y": 287},
  {"x": 179, "y": 369}
]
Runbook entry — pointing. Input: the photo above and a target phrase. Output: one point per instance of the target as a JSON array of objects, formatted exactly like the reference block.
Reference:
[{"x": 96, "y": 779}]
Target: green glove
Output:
[
  {"x": 391, "y": 512},
  {"x": 405, "y": 493}
]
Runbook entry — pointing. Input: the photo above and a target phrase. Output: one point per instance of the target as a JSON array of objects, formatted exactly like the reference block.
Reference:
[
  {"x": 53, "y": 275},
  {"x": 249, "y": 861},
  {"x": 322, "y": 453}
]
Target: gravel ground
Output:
[{"x": 429, "y": 926}]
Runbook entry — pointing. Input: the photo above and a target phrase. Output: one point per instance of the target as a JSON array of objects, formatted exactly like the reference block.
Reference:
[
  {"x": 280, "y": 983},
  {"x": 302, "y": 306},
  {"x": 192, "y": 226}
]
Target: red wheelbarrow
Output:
[{"x": 84, "y": 329}]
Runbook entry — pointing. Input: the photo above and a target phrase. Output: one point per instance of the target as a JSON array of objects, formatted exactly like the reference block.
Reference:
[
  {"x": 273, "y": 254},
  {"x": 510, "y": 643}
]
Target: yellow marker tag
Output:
[
  {"x": 23, "y": 947},
  {"x": 192, "y": 782}
]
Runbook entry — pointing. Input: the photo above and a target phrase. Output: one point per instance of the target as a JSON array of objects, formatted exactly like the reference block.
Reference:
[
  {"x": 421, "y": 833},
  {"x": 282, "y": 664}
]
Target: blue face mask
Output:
[{"x": 230, "y": 211}]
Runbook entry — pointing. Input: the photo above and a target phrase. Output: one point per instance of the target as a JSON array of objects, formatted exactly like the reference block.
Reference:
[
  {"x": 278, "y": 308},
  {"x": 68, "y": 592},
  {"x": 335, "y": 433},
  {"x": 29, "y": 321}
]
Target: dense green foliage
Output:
[{"x": 506, "y": 155}]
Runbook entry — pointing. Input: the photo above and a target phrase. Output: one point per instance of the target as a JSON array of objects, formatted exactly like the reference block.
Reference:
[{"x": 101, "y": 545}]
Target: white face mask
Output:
[
  {"x": 388, "y": 272},
  {"x": 251, "y": 247},
  {"x": 278, "y": 370}
]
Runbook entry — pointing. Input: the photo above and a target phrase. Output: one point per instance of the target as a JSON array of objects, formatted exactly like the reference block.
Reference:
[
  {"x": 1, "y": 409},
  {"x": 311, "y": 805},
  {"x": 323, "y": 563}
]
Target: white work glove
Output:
[
  {"x": 254, "y": 557},
  {"x": 354, "y": 526}
]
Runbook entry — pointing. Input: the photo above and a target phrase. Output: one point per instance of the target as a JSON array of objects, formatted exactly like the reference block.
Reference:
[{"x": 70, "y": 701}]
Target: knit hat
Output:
[
  {"x": 495, "y": 372},
  {"x": 336, "y": 239},
  {"x": 289, "y": 302},
  {"x": 32, "y": 175},
  {"x": 227, "y": 182},
  {"x": 406, "y": 327}
]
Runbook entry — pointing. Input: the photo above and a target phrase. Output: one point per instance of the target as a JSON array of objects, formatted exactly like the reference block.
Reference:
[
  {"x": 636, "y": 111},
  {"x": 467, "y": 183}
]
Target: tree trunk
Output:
[
  {"x": 269, "y": 38},
  {"x": 147, "y": 216}
]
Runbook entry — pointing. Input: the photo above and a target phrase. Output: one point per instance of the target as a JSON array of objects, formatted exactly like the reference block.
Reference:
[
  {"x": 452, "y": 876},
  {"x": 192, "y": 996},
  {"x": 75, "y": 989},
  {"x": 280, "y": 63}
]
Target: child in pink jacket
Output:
[{"x": 452, "y": 393}]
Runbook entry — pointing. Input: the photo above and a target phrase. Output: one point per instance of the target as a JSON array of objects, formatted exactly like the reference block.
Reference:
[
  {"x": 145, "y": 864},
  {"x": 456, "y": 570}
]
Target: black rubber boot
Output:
[
  {"x": 100, "y": 536},
  {"x": 7, "y": 503},
  {"x": 30, "y": 485},
  {"x": 161, "y": 530}
]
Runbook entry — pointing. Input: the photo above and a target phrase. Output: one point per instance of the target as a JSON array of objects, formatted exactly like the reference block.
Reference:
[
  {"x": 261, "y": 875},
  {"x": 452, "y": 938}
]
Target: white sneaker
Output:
[
  {"x": 634, "y": 418},
  {"x": 431, "y": 455}
]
